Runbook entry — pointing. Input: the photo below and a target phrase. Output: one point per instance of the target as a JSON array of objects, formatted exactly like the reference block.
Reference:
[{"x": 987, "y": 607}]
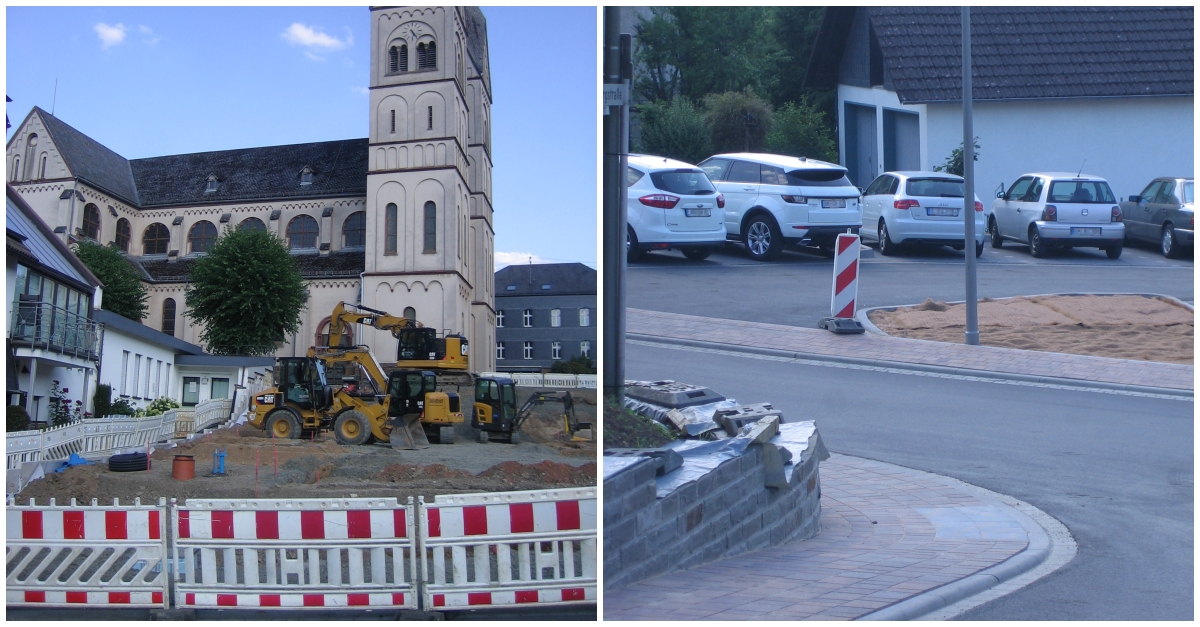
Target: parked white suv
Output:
[
  {"x": 1058, "y": 209},
  {"x": 772, "y": 201},
  {"x": 918, "y": 208},
  {"x": 672, "y": 204}
]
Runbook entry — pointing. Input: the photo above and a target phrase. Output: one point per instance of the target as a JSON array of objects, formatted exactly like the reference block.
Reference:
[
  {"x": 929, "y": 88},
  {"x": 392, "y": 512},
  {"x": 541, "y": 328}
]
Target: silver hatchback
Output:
[{"x": 1058, "y": 209}]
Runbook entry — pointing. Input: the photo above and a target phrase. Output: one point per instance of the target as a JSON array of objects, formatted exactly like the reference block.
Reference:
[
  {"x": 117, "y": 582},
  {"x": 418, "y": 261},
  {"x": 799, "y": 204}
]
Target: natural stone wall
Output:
[{"x": 726, "y": 512}]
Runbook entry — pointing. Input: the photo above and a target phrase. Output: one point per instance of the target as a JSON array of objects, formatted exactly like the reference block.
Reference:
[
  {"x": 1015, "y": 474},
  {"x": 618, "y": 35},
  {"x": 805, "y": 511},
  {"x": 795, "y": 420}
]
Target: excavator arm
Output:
[
  {"x": 354, "y": 355},
  {"x": 341, "y": 319}
]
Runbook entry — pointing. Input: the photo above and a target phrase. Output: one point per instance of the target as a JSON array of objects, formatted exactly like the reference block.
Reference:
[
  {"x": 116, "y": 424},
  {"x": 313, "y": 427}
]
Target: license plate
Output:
[
  {"x": 833, "y": 204},
  {"x": 941, "y": 211},
  {"x": 1086, "y": 230},
  {"x": 697, "y": 213}
]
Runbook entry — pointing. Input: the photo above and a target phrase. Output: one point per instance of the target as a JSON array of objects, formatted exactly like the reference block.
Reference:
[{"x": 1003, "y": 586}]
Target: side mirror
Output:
[
  {"x": 1000, "y": 194},
  {"x": 1135, "y": 199}
]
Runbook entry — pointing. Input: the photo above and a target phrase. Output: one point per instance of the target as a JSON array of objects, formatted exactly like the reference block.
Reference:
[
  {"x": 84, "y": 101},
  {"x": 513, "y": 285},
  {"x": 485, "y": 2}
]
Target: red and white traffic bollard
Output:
[{"x": 844, "y": 299}]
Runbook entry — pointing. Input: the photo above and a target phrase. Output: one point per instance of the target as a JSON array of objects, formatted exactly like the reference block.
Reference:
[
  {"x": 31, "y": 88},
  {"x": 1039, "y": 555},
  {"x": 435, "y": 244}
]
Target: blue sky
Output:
[{"x": 148, "y": 81}]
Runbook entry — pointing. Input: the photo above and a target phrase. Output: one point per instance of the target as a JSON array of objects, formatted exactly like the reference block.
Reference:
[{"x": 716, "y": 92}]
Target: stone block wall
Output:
[{"x": 726, "y": 512}]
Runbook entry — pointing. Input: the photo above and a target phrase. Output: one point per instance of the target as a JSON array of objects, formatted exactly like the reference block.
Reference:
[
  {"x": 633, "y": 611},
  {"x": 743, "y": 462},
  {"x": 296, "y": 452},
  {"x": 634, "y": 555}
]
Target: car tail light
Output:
[
  {"x": 1050, "y": 214},
  {"x": 1116, "y": 215},
  {"x": 905, "y": 204},
  {"x": 795, "y": 200},
  {"x": 662, "y": 201},
  {"x": 978, "y": 206},
  {"x": 720, "y": 201}
]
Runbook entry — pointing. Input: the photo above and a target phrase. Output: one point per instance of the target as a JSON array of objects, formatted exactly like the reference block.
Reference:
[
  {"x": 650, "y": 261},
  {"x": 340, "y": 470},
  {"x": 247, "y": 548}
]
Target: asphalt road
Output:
[
  {"x": 1116, "y": 469},
  {"x": 796, "y": 290}
]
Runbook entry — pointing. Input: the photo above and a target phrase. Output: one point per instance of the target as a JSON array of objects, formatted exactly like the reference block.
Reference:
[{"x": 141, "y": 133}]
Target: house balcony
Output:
[{"x": 46, "y": 331}]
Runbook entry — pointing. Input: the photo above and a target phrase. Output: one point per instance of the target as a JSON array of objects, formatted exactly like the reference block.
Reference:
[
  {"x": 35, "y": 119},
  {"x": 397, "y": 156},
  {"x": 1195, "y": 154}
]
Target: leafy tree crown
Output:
[{"x": 124, "y": 293}]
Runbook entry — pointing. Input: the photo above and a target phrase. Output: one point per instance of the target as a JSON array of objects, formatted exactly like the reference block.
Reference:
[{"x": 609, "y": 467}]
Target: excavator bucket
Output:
[{"x": 409, "y": 436}]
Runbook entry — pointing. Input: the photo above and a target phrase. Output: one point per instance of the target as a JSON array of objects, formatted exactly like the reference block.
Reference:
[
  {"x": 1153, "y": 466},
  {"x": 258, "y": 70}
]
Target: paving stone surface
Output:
[
  {"x": 906, "y": 350},
  {"x": 887, "y": 533}
]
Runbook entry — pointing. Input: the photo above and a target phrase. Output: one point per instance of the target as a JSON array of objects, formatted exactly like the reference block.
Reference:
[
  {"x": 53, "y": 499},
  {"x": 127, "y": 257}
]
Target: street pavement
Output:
[{"x": 1113, "y": 464}]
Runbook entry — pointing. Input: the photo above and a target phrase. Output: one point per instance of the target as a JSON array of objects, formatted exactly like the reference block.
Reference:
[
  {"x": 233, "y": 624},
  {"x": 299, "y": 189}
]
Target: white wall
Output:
[
  {"x": 1128, "y": 141},
  {"x": 154, "y": 380}
]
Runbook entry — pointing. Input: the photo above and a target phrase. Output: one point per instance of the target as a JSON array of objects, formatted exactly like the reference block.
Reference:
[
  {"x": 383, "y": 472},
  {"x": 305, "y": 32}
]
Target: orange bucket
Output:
[{"x": 183, "y": 468}]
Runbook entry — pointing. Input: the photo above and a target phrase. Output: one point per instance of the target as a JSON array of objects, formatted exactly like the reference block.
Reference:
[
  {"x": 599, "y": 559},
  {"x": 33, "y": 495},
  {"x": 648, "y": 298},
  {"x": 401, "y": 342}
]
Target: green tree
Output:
[
  {"x": 954, "y": 164},
  {"x": 795, "y": 28},
  {"x": 738, "y": 121},
  {"x": 246, "y": 292},
  {"x": 124, "y": 293},
  {"x": 17, "y": 419},
  {"x": 674, "y": 129},
  {"x": 800, "y": 130}
]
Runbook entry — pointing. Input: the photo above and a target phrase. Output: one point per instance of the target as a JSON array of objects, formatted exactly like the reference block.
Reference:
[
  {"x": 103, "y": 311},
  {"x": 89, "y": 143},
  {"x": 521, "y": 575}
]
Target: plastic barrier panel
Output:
[
  {"x": 509, "y": 548},
  {"x": 66, "y": 556},
  {"x": 295, "y": 553}
]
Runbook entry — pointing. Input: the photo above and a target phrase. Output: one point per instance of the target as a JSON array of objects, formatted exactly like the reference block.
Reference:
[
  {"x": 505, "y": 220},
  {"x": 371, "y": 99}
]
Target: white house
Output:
[{"x": 1108, "y": 90}]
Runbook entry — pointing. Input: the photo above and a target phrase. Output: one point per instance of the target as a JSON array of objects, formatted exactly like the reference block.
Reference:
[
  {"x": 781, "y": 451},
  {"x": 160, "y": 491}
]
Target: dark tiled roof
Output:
[
  {"x": 563, "y": 278},
  {"x": 1036, "y": 52},
  {"x": 334, "y": 265},
  {"x": 339, "y": 169},
  {"x": 136, "y": 328},
  {"x": 91, "y": 161},
  {"x": 475, "y": 26}
]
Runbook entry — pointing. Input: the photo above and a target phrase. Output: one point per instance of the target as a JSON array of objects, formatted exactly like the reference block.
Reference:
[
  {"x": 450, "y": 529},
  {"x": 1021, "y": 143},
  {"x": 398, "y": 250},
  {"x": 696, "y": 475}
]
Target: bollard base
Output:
[{"x": 841, "y": 325}]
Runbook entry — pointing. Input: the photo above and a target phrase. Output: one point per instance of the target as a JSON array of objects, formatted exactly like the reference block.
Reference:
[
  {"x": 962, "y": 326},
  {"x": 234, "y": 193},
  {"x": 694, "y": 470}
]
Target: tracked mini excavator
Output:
[
  {"x": 418, "y": 346},
  {"x": 496, "y": 414}
]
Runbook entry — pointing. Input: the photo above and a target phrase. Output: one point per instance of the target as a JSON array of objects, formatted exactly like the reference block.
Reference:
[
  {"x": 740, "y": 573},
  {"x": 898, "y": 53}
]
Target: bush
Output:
[
  {"x": 102, "y": 401},
  {"x": 160, "y": 405},
  {"x": 954, "y": 164},
  {"x": 122, "y": 407},
  {"x": 800, "y": 131},
  {"x": 577, "y": 365},
  {"x": 17, "y": 419},
  {"x": 673, "y": 129},
  {"x": 60, "y": 405},
  {"x": 738, "y": 121}
]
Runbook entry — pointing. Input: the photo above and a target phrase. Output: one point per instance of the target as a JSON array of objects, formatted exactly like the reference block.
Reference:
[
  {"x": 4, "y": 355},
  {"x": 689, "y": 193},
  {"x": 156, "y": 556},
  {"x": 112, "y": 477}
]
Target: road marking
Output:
[{"x": 918, "y": 373}]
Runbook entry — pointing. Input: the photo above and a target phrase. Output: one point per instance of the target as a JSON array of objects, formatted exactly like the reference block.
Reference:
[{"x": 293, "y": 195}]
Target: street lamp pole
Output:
[
  {"x": 616, "y": 150},
  {"x": 972, "y": 335}
]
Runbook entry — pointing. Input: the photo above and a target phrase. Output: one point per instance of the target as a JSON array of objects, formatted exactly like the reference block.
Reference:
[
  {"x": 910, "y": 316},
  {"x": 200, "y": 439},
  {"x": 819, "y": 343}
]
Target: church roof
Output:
[
  {"x": 90, "y": 160},
  {"x": 531, "y": 279},
  {"x": 339, "y": 168},
  {"x": 336, "y": 265}
]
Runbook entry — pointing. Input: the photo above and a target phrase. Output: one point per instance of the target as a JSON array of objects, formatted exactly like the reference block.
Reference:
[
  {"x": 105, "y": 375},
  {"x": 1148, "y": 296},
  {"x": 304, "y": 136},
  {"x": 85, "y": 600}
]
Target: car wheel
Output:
[
  {"x": 887, "y": 247},
  {"x": 697, "y": 254},
  {"x": 979, "y": 249},
  {"x": 632, "y": 252},
  {"x": 763, "y": 240},
  {"x": 283, "y": 424},
  {"x": 1037, "y": 247},
  {"x": 994, "y": 230},
  {"x": 351, "y": 428},
  {"x": 1114, "y": 252},
  {"x": 1170, "y": 245}
]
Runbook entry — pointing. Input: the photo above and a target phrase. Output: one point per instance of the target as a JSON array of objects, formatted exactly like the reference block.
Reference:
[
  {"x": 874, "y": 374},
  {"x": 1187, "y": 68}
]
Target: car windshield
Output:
[
  {"x": 825, "y": 177},
  {"x": 1189, "y": 192},
  {"x": 944, "y": 188},
  {"x": 683, "y": 181},
  {"x": 1080, "y": 192}
]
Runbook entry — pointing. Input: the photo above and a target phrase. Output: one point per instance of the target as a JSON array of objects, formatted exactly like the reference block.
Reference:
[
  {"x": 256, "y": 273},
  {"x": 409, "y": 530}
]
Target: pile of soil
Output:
[{"x": 1121, "y": 326}]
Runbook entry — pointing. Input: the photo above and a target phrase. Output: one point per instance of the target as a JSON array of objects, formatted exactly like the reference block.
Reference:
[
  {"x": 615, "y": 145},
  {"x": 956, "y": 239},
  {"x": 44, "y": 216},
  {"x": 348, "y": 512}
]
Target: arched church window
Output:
[
  {"x": 347, "y": 338},
  {"x": 393, "y": 60},
  {"x": 42, "y": 171},
  {"x": 354, "y": 230},
  {"x": 168, "y": 317},
  {"x": 430, "y": 227},
  {"x": 389, "y": 229},
  {"x": 410, "y": 313},
  {"x": 30, "y": 153},
  {"x": 427, "y": 56},
  {"x": 202, "y": 236},
  {"x": 155, "y": 239},
  {"x": 91, "y": 222},
  {"x": 16, "y": 168},
  {"x": 302, "y": 232},
  {"x": 124, "y": 234},
  {"x": 254, "y": 224}
]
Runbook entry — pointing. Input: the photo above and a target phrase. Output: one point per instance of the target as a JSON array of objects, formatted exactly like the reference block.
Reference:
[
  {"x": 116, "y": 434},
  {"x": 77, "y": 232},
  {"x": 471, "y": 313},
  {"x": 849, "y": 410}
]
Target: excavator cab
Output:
[
  {"x": 495, "y": 409},
  {"x": 421, "y": 346}
]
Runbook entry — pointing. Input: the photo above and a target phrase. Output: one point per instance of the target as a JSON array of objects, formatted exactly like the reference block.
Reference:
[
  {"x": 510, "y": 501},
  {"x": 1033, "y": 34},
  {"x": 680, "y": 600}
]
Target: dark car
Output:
[{"x": 1163, "y": 213}]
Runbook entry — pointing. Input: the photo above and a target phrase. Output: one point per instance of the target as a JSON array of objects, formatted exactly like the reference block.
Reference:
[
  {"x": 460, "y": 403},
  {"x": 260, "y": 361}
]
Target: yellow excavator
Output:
[{"x": 418, "y": 346}]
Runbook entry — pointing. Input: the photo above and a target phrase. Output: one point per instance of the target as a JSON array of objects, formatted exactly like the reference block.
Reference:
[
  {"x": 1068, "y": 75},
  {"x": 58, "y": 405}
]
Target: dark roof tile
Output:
[{"x": 341, "y": 264}]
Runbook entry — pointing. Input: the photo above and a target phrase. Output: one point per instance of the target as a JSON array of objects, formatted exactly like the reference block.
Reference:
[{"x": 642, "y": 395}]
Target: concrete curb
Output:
[{"x": 898, "y": 365}]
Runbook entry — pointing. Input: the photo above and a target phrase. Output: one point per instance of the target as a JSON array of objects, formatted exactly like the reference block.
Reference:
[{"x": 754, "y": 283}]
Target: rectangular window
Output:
[
  {"x": 499, "y": 350},
  {"x": 585, "y": 317},
  {"x": 393, "y": 118},
  {"x": 146, "y": 380},
  {"x": 500, "y": 319},
  {"x": 157, "y": 376},
  {"x": 124, "y": 373},
  {"x": 556, "y": 350},
  {"x": 430, "y": 118},
  {"x": 220, "y": 388},
  {"x": 191, "y": 391},
  {"x": 585, "y": 348},
  {"x": 430, "y": 227},
  {"x": 167, "y": 382},
  {"x": 556, "y": 317},
  {"x": 389, "y": 229},
  {"x": 137, "y": 370},
  {"x": 528, "y": 350},
  {"x": 528, "y": 317}
]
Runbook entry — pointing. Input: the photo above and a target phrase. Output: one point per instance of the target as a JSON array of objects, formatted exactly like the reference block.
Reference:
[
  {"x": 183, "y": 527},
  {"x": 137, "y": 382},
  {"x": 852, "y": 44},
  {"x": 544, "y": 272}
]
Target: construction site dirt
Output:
[{"x": 259, "y": 466}]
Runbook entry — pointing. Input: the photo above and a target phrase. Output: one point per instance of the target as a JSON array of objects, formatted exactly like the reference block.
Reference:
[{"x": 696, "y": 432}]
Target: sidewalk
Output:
[
  {"x": 895, "y": 352},
  {"x": 887, "y": 534}
]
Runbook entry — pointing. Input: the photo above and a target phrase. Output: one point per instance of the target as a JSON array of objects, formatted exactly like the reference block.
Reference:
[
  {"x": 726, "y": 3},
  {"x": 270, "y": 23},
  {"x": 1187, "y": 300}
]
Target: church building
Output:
[{"x": 399, "y": 221}]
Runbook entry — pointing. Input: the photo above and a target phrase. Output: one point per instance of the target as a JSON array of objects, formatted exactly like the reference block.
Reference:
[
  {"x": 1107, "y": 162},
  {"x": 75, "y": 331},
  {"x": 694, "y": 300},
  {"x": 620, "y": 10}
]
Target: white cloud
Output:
[
  {"x": 313, "y": 56},
  {"x": 511, "y": 259},
  {"x": 300, "y": 35},
  {"x": 110, "y": 35},
  {"x": 150, "y": 37}
]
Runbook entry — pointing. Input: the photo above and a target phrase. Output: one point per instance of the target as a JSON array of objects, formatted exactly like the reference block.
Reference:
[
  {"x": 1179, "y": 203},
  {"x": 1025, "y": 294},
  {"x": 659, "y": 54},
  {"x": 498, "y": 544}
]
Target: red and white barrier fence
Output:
[
  {"x": 63, "y": 556},
  {"x": 845, "y": 276},
  {"x": 508, "y": 548},
  {"x": 295, "y": 553}
]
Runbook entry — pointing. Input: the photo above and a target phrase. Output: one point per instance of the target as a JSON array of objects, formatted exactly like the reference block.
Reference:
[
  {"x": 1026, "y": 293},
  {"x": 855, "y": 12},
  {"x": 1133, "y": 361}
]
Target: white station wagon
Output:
[{"x": 1058, "y": 209}]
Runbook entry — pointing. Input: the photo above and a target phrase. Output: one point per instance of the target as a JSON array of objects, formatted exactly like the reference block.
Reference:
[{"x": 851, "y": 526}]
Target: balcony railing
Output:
[{"x": 42, "y": 325}]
